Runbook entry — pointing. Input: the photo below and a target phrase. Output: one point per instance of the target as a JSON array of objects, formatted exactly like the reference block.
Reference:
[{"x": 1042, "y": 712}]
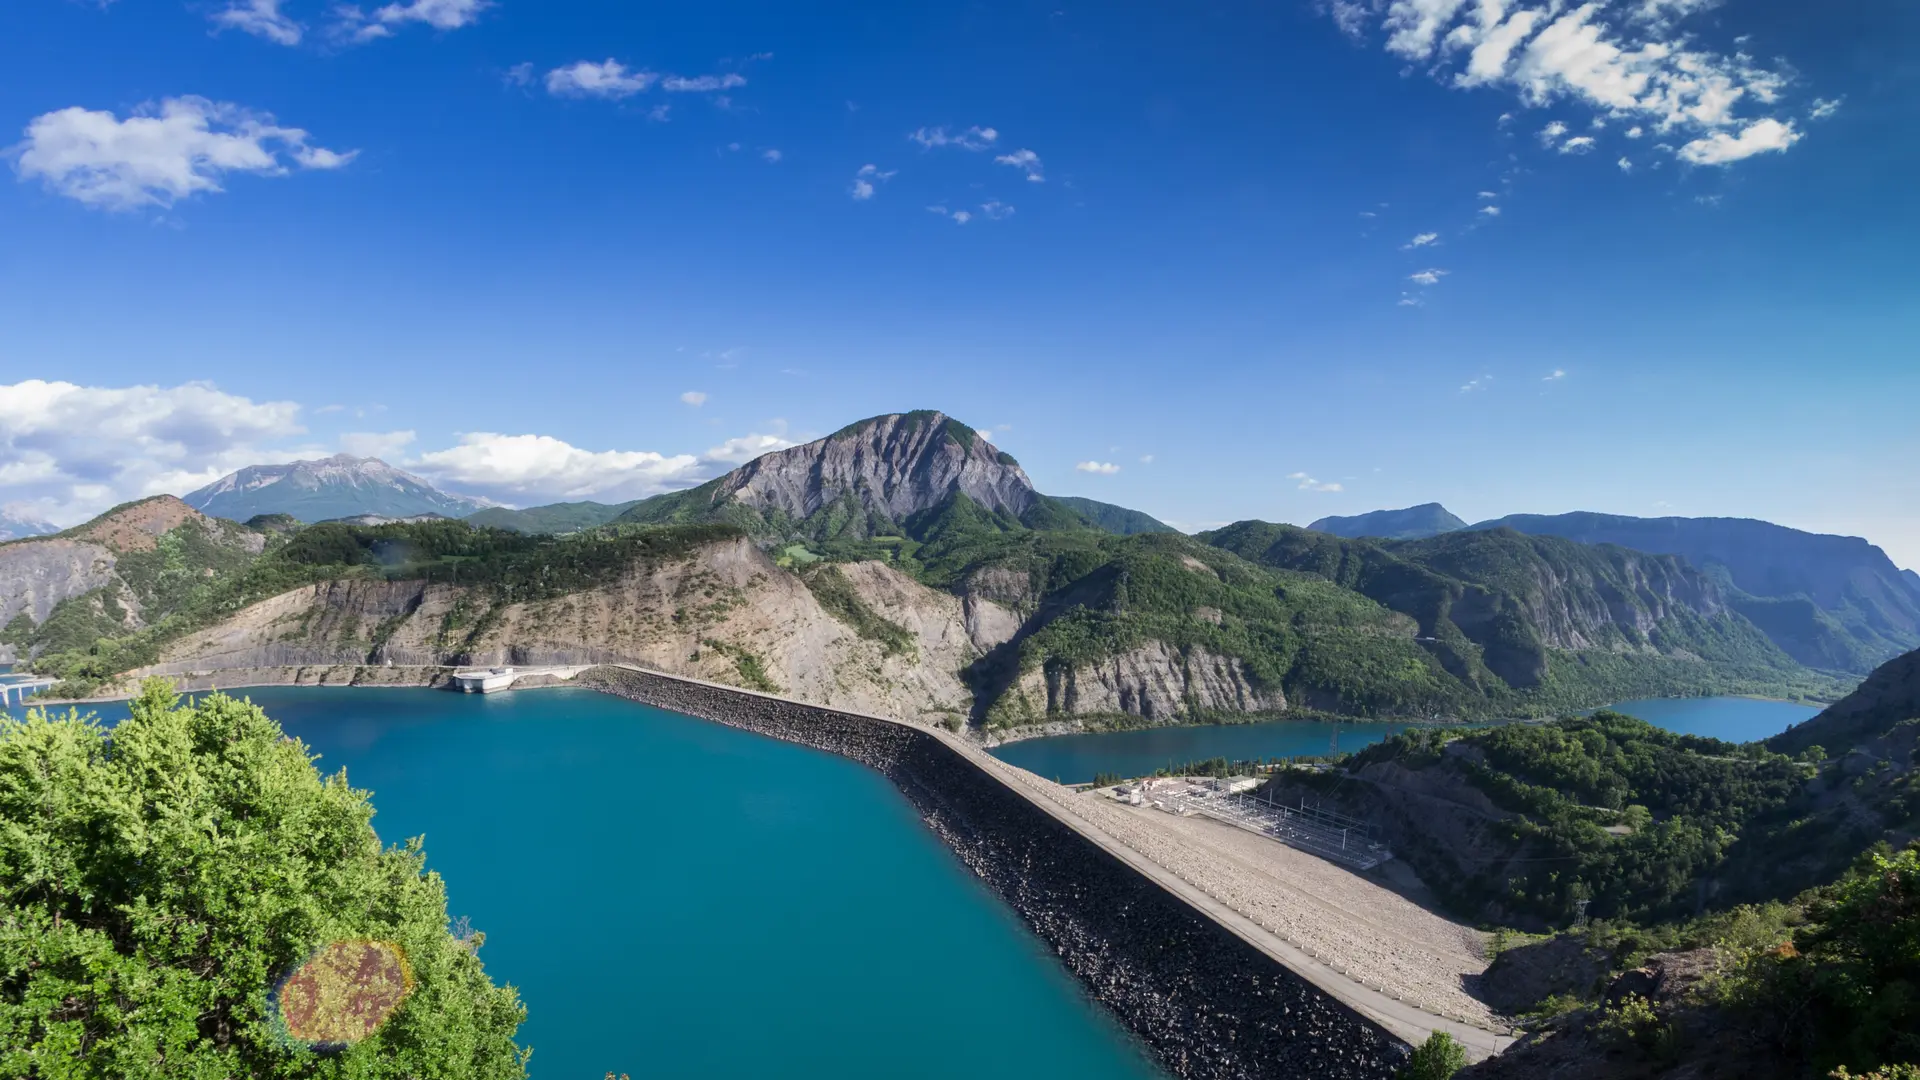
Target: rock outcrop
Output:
[{"x": 1156, "y": 682}]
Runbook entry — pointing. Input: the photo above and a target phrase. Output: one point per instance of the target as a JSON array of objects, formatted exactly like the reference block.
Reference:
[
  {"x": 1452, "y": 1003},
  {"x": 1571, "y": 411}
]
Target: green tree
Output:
[
  {"x": 156, "y": 881},
  {"x": 1436, "y": 1059}
]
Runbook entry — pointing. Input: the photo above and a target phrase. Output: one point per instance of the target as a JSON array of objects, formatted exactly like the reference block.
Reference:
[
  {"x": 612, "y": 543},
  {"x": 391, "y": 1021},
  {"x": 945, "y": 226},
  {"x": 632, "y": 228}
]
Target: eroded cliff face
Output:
[
  {"x": 1156, "y": 682},
  {"x": 36, "y": 575},
  {"x": 697, "y": 616},
  {"x": 891, "y": 465}
]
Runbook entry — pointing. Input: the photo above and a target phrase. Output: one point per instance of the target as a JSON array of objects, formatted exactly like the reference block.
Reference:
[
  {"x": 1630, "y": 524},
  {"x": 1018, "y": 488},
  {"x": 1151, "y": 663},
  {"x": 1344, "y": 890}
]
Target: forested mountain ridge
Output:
[
  {"x": 127, "y": 568},
  {"x": 341, "y": 486},
  {"x": 563, "y": 517},
  {"x": 1412, "y": 523},
  {"x": 1501, "y": 611},
  {"x": 1832, "y": 602}
]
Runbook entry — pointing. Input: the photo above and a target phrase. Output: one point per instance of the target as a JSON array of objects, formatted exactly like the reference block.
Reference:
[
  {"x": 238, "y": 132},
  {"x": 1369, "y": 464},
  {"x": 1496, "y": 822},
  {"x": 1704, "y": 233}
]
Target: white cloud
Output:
[
  {"x": 261, "y": 18},
  {"x": 540, "y": 468},
  {"x": 702, "y": 84},
  {"x": 1823, "y": 108},
  {"x": 1308, "y": 483},
  {"x": 1579, "y": 144},
  {"x": 608, "y": 79},
  {"x": 694, "y": 398},
  {"x": 1146, "y": 459},
  {"x": 770, "y": 156},
  {"x": 1552, "y": 132},
  {"x": 974, "y": 138},
  {"x": 983, "y": 434},
  {"x": 1425, "y": 239},
  {"x": 1635, "y": 132},
  {"x": 1479, "y": 383},
  {"x": 1098, "y": 468},
  {"x": 1626, "y": 164},
  {"x": 1557, "y": 375},
  {"x": 1490, "y": 211},
  {"x": 1759, "y": 137},
  {"x": 73, "y": 451},
  {"x": 1428, "y": 277},
  {"x": 359, "y": 25},
  {"x": 658, "y": 114},
  {"x": 157, "y": 156},
  {"x": 863, "y": 181},
  {"x": 1025, "y": 160},
  {"x": 996, "y": 210},
  {"x": 1408, "y": 300},
  {"x": 376, "y": 444},
  {"x": 1489, "y": 195},
  {"x": 1625, "y": 60},
  {"x": 960, "y": 217}
]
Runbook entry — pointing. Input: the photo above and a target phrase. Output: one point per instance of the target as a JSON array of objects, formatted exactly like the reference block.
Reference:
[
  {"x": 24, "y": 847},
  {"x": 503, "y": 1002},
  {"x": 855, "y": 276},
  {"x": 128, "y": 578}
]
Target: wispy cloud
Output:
[
  {"x": 357, "y": 24},
  {"x": 1823, "y": 108},
  {"x": 694, "y": 398},
  {"x": 960, "y": 217},
  {"x": 1489, "y": 211},
  {"x": 160, "y": 154},
  {"x": 1557, "y": 375},
  {"x": 261, "y": 18},
  {"x": 1308, "y": 483},
  {"x": 1425, "y": 239},
  {"x": 607, "y": 79},
  {"x": 1427, "y": 277},
  {"x": 996, "y": 210},
  {"x": 865, "y": 179},
  {"x": 1625, "y": 61},
  {"x": 1476, "y": 384},
  {"x": 1098, "y": 468},
  {"x": 701, "y": 84},
  {"x": 973, "y": 138},
  {"x": 770, "y": 156},
  {"x": 1025, "y": 160}
]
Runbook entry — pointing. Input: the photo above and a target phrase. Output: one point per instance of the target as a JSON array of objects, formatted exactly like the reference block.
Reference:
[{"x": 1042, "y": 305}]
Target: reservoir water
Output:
[
  {"x": 677, "y": 898},
  {"x": 1079, "y": 758}
]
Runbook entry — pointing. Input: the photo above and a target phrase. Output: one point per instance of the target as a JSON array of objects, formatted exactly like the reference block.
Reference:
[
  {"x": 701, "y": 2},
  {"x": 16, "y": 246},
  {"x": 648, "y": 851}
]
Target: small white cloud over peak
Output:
[
  {"x": 1427, "y": 277},
  {"x": 607, "y": 79},
  {"x": 376, "y": 444},
  {"x": 1308, "y": 483},
  {"x": 983, "y": 434},
  {"x": 1425, "y": 239},
  {"x": 1098, "y": 468},
  {"x": 694, "y": 398},
  {"x": 1025, "y": 160},
  {"x": 974, "y": 138},
  {"x": 160, "y": 154},
  {"x": 261, "y": 18},
  {"x": 1476, "y": 384}
]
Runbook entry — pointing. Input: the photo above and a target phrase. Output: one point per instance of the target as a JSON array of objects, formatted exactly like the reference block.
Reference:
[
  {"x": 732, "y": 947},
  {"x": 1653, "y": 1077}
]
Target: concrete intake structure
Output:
[{"x": 1206, "y": 1002}]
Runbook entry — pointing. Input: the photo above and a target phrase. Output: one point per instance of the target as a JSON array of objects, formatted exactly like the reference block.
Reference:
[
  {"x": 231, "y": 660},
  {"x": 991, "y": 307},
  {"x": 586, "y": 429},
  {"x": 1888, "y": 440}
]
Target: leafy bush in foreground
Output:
[{"x": 157, "y": 879}]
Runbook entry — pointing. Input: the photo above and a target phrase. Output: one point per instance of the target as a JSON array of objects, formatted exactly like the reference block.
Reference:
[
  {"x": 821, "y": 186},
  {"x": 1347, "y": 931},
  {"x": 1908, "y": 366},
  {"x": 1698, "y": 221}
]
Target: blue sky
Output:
[{"x": 571, "y": 249}]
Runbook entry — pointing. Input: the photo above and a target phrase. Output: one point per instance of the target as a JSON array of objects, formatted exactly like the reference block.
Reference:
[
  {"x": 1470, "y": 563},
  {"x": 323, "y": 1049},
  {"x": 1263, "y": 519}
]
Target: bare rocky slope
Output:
[
  {"x": 724, "y": 612},
  {"x": 127, "y": 567}
]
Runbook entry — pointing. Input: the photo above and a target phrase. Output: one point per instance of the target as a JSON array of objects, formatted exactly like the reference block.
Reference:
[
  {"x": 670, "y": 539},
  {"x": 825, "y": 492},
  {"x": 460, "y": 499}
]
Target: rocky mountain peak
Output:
[
  {"x": 893, "y": 465},
  {"x": 20, "y": 523},
  {"x": 327, "y": 488}
]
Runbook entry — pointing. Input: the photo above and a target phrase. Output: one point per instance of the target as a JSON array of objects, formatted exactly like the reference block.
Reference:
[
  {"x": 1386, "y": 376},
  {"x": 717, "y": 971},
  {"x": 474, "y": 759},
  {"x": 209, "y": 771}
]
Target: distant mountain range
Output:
[
  {"x": 1834, "y": 602},
  {"x": 1831, "y": 602},
  {"x": 19, "y": 525},
  {"x": 337, "y": 487},
  {"x": 1413, "y": 523}
]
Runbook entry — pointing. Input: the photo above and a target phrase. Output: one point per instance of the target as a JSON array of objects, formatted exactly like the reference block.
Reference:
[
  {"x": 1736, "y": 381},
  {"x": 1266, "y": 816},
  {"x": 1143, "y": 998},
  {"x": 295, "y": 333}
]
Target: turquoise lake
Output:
[
  {"x": 1079, "y": 758},
  {"x": 674, "y": 898}
]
